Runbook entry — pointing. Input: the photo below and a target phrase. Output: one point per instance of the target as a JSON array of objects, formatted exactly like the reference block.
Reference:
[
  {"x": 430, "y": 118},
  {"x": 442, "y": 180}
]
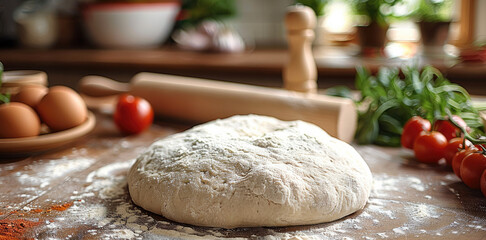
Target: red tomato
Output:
[
  {"x": 448, "y": 129},
  {"x": 459, "y": 157},
  {"x": 133, "y": 114},
  {"x": 429, "y": 147},
  {"x": 412, "y": 130},
  {"x": 478, "y": 146},
  {"x": 482, "y": 183},
  {"x": 472, "y": 167},
  {"x": 453, "y": 147}
]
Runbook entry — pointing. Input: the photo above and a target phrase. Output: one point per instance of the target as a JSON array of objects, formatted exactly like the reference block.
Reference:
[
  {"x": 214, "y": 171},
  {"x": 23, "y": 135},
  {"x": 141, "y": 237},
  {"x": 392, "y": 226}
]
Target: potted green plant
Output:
[
  {"x": 194, "y": 12},
  {"x": 434, "y": 19},
  {"x": 374, "y": 18}
]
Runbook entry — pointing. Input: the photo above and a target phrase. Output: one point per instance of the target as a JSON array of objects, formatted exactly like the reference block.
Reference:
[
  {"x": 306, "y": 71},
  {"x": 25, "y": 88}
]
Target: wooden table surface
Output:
[{"x": 80, "y": 192}]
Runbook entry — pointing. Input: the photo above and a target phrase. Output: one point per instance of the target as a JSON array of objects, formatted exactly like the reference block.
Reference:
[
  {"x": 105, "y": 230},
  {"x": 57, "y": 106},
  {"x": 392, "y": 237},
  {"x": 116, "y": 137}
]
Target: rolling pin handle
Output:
[
  {"x": 98, "y": 86},
  {"x": 300, "y": 73}
]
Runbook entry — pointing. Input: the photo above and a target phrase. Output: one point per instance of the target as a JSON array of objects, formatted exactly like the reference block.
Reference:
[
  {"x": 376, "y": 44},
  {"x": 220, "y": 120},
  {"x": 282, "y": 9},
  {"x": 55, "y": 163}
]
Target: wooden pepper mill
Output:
[{"x": 300, "y": 73}]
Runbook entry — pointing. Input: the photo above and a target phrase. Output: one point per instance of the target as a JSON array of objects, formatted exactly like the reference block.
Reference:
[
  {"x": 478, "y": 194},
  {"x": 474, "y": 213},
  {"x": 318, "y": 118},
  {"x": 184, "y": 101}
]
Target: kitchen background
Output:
[
  {"x": 70, "y": 38},
  {"x": 260, "y": 23}
]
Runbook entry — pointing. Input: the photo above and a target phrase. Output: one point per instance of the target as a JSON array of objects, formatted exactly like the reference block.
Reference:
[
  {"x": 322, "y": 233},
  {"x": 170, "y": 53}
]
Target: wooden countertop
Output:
[{"x": 80, "y": 192}]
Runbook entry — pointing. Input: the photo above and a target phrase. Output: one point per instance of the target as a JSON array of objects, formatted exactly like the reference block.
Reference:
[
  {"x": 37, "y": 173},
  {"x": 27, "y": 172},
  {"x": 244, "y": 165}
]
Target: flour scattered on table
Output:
[
  {"x": 120, "y": 234},
  {"x": 45, "y": 171},
  {"x": 385, "y": 185},
  {"x": 105, "y": 206},
  {"x": 36, "y": 178}
]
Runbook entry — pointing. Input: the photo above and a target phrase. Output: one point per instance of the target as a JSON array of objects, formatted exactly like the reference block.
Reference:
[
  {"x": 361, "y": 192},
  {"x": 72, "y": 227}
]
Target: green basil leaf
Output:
[
  {"x": 390, "y": 124},
  {"x": 388, "y": 140},
  {"x": 340, "y": 91}
]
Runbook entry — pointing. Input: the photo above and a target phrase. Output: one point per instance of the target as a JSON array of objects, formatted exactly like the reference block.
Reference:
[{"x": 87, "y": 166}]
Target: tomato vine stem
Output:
[{"x": 477, "y": 141}]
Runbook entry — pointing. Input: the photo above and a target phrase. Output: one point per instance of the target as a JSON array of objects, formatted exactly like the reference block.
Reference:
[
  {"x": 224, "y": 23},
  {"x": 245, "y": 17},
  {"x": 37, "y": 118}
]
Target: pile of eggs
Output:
[{"x": 58, "y": 107}]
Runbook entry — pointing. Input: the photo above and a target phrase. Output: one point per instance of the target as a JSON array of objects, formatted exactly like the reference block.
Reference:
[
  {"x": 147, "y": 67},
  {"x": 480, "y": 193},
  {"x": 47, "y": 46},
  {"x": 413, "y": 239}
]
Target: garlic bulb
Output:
[{"x": 210, "y": 36}]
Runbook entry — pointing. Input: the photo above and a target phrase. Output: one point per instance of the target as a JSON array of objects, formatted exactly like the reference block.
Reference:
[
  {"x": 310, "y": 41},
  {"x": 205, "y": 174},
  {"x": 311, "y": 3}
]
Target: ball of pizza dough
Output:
[{"x": 249, "y": 171}]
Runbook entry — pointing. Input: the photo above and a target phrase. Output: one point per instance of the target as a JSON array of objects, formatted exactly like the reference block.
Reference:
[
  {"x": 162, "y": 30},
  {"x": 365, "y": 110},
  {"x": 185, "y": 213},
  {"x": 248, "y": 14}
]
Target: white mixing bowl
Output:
[{"x": 130, "y": 25}]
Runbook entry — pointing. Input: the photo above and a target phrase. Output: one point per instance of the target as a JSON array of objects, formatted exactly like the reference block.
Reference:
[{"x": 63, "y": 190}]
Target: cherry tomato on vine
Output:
[
  {"x": 482, "y": 183},
  {"x": 412, "y": 130},
  {"x": 429, "y": 147},
  {"x": 459, "y": 157},
  {"x": 472, "y": 167},
  {"x": 133, "y": 114},
  {"x": 454, "y": 146},
  {"x": 448, "y": 129}
]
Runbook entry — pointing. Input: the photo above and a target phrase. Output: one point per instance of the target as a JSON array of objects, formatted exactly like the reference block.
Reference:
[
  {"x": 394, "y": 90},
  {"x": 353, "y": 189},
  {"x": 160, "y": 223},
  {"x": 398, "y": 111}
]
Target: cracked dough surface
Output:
[{"x": 248, "y": 171}]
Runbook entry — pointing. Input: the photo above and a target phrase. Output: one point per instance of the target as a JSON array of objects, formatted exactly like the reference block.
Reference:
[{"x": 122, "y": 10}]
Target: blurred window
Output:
[{"x": 337, "y": 27}]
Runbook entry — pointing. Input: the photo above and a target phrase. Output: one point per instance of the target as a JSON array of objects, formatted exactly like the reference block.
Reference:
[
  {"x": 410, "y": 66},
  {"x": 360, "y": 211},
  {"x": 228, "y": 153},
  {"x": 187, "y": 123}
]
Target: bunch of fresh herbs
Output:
[{"x": 389, "y": 99}]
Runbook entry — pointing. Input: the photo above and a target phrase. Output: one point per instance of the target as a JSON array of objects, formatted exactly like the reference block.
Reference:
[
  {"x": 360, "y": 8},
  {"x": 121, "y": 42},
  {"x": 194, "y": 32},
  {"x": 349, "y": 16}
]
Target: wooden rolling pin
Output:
[{"x": 201, "y": 100}]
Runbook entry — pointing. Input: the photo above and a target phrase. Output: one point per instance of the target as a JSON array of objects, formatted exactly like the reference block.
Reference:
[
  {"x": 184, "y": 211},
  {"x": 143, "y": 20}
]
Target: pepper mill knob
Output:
[{"x": 300, "y": 73}]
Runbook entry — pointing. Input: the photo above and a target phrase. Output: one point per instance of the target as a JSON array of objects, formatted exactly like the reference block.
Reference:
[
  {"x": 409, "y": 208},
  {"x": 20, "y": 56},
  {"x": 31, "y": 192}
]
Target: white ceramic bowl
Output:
[{"x": 130, "y": 25}]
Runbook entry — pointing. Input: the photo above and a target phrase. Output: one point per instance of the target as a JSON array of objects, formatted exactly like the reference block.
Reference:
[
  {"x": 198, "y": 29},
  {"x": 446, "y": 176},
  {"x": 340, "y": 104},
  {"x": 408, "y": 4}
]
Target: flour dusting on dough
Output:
[{"x": 251, "y": 171}]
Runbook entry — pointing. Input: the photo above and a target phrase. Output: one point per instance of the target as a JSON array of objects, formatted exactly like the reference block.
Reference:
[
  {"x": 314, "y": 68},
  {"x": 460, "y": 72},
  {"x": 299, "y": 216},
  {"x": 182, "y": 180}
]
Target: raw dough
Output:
[{"x": 248, "y": 171}]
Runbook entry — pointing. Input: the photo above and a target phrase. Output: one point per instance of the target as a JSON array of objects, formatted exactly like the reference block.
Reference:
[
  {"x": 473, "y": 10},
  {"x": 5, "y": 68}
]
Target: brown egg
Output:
[
  {"x": 62, "y": 108},
  {"x": 30, "y": 95},
  {"x": 18, "y": 120}
]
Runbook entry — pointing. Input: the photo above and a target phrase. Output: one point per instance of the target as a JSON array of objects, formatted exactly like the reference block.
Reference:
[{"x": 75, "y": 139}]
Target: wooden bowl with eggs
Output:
[{"x": 39, "y": 118}]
